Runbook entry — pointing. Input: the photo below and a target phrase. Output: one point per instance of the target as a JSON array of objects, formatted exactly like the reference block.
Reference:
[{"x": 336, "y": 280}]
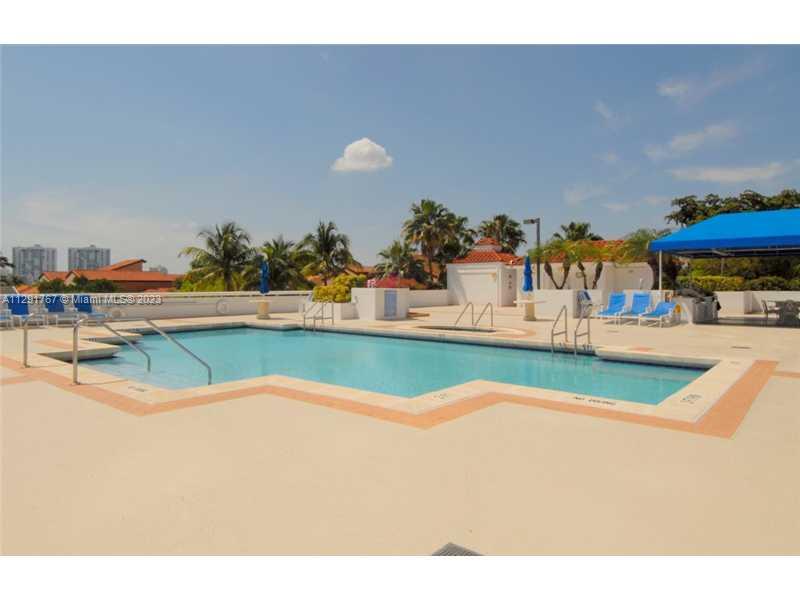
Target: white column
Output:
[{"x": 659, "y": 273}]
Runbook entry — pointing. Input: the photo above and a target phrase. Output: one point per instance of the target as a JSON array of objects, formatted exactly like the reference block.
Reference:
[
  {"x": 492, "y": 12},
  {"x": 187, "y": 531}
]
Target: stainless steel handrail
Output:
[
  {"x": 75, "y": 329},
  {"x": 586, "y": 314},
  {"x": 554, "y": 333},
  {"x": 490, "y": 306},
  {"x": 25, "y": 322},
  {"x": 312, "y": 313},
  {"x": 127, "y": 341},
  {"x": 471, "y": 306},
  {"x": 168, "y": 337}
]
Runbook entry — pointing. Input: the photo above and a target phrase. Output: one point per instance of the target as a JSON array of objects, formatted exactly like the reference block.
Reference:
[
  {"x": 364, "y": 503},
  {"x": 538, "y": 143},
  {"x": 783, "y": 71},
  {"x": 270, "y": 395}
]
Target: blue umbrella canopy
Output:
[
  {"x": 527, "y": 280},
  {"x": 264, "y": 287}
]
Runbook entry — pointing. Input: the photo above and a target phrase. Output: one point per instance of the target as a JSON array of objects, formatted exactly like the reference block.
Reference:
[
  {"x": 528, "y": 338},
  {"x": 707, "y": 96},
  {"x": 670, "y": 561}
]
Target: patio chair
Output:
[
  {"x": 639, "y": 306},
  {"x": 83, "y": 304},
  {"x": 19, "y": 310},
  {"x": 616, "y": 305},
  {"x": 770, "y": 307},
  {"x": 5, "y": 318},
  {"x": 663, "y": 312},
  {"x": 56, "y": 309}
]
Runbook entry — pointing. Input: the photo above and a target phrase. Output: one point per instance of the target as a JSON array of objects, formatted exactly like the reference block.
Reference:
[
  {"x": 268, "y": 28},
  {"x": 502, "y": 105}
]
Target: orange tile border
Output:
[
  {"x": 721, "y": 420},
  {"x": 15, "y": 379},
  {"x": 792, "y": 374}
]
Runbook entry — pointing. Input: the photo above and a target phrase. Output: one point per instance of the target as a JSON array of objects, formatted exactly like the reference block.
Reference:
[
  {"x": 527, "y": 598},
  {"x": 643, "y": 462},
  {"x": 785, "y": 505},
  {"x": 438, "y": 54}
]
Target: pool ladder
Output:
[
  {"x": 317, "y": 313},
  {"x": 585, "y": 317},
  {"x": 164, "y": 334}
]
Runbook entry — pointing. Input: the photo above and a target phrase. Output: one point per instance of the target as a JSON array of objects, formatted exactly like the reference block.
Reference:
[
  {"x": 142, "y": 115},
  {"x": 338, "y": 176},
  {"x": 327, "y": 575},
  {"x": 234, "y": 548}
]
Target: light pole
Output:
[{"x": 538, "y": 222}]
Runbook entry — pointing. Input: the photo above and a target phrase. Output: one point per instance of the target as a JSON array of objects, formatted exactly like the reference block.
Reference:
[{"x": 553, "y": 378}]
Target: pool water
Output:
[{"x": 402, "y": 367}]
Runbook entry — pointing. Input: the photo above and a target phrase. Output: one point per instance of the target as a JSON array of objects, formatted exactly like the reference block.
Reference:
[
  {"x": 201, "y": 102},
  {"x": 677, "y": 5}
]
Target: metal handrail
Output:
[
  {"x": 471, "y": 306},
  {"x": 554, "y": 333},
  {"x": 168, "y": 337},
  {"x": 127, "y": 341},
  {"x": 319, "y": 307},
  {"x": 586, "y": 314},
  {"x": 25, "y": 336},
  {"x": 75, "y": 329},
  {"x": 490, "y": 306}
]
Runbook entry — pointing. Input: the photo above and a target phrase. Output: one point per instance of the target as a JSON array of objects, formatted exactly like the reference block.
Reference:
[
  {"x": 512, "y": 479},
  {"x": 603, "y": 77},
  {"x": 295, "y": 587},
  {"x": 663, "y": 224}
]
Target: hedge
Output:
[
  {"x": 712, "y": 283},
  {"x": 339, "y": 289}
]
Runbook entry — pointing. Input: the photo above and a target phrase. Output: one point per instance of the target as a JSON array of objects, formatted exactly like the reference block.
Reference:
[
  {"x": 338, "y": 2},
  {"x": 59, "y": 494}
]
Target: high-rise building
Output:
[
  {"x": 30, "y": 261},
  {"x": 88, "y": 258}
]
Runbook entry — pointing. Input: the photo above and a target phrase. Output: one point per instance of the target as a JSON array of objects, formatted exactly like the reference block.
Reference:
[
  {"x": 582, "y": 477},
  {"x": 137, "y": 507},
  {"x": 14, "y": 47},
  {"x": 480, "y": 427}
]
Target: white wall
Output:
[
  {"x": 369, "y": 303},
  {"x": 417, "y": 298},
  {"x": 476, "y": 283}
]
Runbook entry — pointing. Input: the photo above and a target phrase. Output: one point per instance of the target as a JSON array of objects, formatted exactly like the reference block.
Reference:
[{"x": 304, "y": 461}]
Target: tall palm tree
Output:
[
  {"x": 226, "y": 252},
  {"x": 328, "y": 251},
  {"x": 636, "y": 247},
  {"x": 505, "y": 230},
  {"x": 576, "y": 231},
  {"x": 286, "y": 261},
  {"x": 398, "y": 259},
  {"x": 428, "y": 229}
]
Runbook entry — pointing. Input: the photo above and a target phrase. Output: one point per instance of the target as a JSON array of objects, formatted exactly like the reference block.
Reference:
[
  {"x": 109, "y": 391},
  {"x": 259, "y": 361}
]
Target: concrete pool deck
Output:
[{"x": 261, "y": 472}]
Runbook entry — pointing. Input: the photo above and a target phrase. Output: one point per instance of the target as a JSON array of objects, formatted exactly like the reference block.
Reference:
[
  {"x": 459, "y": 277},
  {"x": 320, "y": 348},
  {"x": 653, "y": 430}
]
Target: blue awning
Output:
[{"x": 759, "y": 233}]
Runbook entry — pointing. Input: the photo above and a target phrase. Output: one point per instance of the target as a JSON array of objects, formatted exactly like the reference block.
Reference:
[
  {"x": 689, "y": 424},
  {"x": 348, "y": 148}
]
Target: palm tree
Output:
[
  {"x": 636, "y": 247},
  {"x": 225, "y": 254},
  {"x": 576, "y": 231},
  {"x": 557, "y": 249},
  {"x": 328, "y": 251},
  {"x": 286, "y": 262},
  {"x": 428, "y": 229},
  {"x": 398, "y": 259},
  {"x": 505, "y": 230}
]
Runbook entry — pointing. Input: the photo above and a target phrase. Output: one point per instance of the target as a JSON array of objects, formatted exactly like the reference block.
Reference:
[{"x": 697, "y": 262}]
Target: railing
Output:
[
  {"x": 585, "y": 316},
  {"x": 471, "y": 306},
  {"x": 554, "y": 333},
  {"x": 25, "y": 322},
  {"x": 169, "y": 338},
  {"x": 317, "y": 313},
  {"x": 82, "y": 319},
  {"x": 483, "y": 312}
]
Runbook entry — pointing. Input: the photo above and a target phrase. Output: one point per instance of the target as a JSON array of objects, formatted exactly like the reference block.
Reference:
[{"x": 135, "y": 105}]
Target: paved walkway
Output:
[{"x": 266, "y": 474}]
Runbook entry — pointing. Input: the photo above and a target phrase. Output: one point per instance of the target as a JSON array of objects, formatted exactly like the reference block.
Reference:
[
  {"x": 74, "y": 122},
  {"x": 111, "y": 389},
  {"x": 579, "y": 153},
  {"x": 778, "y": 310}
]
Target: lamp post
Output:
[{"x": 538, "y": 222}]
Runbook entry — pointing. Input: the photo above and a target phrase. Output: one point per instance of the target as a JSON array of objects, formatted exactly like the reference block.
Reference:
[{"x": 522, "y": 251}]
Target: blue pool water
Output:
[{"x": 402, "y": 367}]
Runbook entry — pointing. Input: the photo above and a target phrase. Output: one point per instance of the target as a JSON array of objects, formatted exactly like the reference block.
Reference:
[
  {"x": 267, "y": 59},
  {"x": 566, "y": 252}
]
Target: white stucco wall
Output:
[{"x": 417, "y": 298}]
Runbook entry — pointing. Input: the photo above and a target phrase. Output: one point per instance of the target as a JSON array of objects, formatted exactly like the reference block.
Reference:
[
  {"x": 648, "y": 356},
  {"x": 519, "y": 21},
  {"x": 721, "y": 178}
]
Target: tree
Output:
[
  {"x": 225, "y": 254},
  {"x": 328, "y": 252},
  {"x": 505, "y": 230},
  {"x": 286, "y": 262},
  {"x": 398, "y": 259},
  {"x": 636, "y": 248},
  {"x": 554, "y": 250},
  {"x": 576, "y": 231},
  {"x": 688, "y": 210}
]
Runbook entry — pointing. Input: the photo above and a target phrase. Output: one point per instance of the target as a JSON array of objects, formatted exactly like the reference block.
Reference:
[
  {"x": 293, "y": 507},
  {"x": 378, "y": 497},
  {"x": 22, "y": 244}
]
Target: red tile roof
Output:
[
  {"x": 476, "y": 256},
  {"x": 487, "y": 241},
  {"x": 154, "y": 276},
  {"x": 122, "y": 264}
]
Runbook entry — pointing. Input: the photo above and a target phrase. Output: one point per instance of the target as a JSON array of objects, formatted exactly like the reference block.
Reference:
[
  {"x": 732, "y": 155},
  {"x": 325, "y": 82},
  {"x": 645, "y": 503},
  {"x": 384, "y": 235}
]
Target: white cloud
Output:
[
  {"x": 575, "y": 195},
  {"x": 616, "y": 207},
  {"x": 731, "y": 174},
  {"x": 610, "y": 158},
  {"x": 363, "y": 155},
  {"x": 687, "y": 90},
  {"x": 687, "y": 142},
  {"x": 610, "y": 117}
]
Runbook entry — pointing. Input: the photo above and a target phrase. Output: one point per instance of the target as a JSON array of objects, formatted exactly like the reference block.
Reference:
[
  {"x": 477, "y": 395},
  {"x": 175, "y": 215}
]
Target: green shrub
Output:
[
  {"x": 338, "y": 290},
  {"x": 768, "y": 283},
  {"x": 712, "y": 283},
  {"x": 794, "y": 284}
]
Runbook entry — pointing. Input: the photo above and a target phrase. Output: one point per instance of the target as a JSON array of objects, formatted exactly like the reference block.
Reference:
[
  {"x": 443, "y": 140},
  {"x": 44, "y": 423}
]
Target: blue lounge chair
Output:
[
  {"x": 56, "y": 309},
  {"x": 6, "y": 318},
  {"x": 616, "y": 304},
  {"x": 639, "y": 306},
  {"x": 19, "y": 310},
  {"x": 83, "y": 304},
  {"x": 664, "y": 311}
]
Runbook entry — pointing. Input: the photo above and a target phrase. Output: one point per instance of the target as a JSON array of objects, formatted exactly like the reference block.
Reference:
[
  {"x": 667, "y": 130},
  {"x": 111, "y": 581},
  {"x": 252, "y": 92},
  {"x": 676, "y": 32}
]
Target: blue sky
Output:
[{"x": 136, "y": 148}]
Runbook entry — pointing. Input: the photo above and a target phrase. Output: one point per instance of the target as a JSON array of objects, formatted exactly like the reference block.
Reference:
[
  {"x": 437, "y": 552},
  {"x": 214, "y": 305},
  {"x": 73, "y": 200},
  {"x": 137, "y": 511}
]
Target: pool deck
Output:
[{"x": 277, "y": 465}]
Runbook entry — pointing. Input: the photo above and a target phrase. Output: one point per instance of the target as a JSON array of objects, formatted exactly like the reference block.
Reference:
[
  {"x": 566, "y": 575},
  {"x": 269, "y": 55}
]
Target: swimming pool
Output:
[{"x": 389, "y": 365}]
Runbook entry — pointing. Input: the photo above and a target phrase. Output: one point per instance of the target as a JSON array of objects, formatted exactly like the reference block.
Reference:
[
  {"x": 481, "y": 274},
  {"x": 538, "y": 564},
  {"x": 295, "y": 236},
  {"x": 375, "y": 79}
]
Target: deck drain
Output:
[
  {"x": 451, "y": 549},
  {"x": 742, "y": 347}
]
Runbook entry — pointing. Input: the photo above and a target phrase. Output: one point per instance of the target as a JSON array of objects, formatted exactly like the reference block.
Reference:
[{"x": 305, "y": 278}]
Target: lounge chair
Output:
[
  {"x": 83, "y": 304},
  {"x": 616, "y": 305},
  {"x": 6, "y": 318},
  {"x": 19, "y": 310},
  {"x": 56, "y": 309},
  {"x": 663, "y": 312},
  {"x": 639, "y": 306}
]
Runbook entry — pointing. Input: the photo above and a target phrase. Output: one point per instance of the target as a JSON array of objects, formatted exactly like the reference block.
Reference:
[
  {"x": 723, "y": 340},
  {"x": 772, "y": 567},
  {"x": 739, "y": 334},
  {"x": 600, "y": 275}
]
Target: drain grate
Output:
[
  {"x": 452, "y": 549},
  {"x": 742, "y": 347}
]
